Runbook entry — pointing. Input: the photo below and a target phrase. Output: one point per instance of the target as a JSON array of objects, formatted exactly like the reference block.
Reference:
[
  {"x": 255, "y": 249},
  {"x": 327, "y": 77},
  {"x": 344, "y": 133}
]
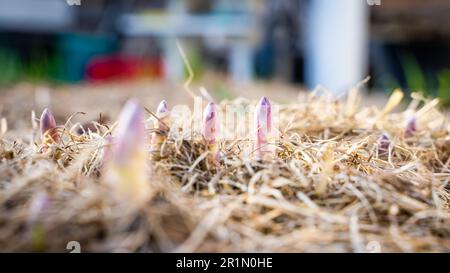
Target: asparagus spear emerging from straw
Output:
[
  {"x": 383, "y": 144},
  {"x": 411, "y": 127},
  {"x": 263, "y": 128},
  {"x": 211, "y": 127},
  {"x": 126, "y": 166},
  {"x": 49, "y": 132},
  {"x": 161, "y": 124}
]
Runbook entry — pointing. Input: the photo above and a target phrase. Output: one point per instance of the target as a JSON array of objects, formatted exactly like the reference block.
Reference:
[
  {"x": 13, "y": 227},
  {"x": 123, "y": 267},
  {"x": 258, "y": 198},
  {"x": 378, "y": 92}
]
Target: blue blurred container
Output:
[{"x": 76, "y": 50}]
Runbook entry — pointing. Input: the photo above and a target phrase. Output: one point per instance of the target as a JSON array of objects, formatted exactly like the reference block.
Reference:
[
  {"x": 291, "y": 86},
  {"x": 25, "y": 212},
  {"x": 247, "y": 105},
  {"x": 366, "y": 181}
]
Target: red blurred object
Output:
[{"x": 114, "y": 67}]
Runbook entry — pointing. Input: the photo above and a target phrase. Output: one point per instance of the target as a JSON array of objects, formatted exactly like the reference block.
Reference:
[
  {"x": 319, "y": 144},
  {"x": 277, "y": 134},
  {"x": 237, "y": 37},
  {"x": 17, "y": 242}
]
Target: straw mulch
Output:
[{"x": 327, "y": 190}]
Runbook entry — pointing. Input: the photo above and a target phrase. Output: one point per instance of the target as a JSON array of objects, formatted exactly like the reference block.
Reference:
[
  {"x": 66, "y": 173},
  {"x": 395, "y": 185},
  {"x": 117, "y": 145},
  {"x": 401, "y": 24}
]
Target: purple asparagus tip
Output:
[
  {"x": 383, "y": 144},
  {"x": 411, "y": 127},
  {"x": 162, "y": 112},
  {"x": 130, "y": 132},
  {"x": 48, "y": 124},
  {"x": 263, "y": 127},
  {"x": 162, "y": 109},
  {"x": 264, "y": 101},
  {"x": 211, "y": 127},
  {"x": 162, "y": 124},
  {"x": 126, "y": 170},
  {"x": 211, "y": 123}
]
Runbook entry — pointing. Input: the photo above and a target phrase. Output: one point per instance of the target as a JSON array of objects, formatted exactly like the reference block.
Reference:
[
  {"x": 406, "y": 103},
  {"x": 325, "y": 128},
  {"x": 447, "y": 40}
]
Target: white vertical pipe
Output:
[
  {"x": 240, "y": 65},
  {"x": 336, "y": 44}
]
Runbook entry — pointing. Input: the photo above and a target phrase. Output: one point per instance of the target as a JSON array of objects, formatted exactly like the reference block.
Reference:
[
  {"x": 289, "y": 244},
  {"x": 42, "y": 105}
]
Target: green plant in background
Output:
[
  {"x": 41, "y": 68},
  {"x": 11, "y": 67},
  {"x": 444, "y": 86},
  {"x": 414, "y": 75},
  {"x": 222, "y": 92},
  {"x": 196, "y": 63},
  {"x": 44, "y": 68},
  {"x": 417, "y": 81},
  {"x": 38, "y": 68}
]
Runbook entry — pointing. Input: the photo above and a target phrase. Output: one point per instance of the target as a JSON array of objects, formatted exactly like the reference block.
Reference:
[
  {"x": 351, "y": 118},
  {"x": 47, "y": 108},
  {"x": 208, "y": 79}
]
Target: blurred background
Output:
[{"x": 293, "y": 43}]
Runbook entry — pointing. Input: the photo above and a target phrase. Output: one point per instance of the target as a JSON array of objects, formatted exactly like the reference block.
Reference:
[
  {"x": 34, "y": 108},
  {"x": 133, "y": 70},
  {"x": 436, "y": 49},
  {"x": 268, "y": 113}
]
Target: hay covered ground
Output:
[{"x": 327, "y": 190}]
